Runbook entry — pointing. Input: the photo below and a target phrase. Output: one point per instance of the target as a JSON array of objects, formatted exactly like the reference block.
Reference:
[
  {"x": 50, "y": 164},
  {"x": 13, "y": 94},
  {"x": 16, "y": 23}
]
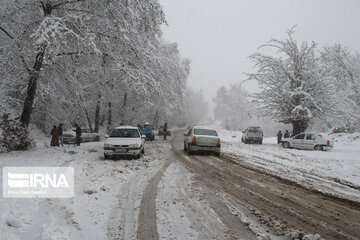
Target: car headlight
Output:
[
  {"x": 134, "y": 146},
  {"x": 107, "y": 145}
]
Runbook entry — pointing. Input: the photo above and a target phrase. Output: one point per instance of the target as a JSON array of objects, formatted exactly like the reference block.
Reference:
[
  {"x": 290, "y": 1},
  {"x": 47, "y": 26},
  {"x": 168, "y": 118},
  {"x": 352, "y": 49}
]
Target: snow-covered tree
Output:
[
  {"x": 295, "y": 89},
  {"x": 71, "y": 60},
  {"x": 344, "y": 68}
]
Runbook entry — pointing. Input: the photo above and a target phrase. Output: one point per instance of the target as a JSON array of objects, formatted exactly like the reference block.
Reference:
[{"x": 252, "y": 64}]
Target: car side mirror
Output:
[
  {"x": 143, "y": 136},
  {"x": 106, "y": 136}
]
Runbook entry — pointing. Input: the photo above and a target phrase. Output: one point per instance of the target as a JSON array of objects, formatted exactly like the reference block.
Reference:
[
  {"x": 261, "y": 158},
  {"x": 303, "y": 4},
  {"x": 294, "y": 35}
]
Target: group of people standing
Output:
[
  {"x": 280, "y": 135},
  {"x": 57, "y": 135}
]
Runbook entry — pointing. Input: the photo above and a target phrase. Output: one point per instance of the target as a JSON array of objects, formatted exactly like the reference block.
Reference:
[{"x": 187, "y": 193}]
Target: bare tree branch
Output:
[
  {"x": 6, "y": 32},
  {"x": 55, "y": 6}
]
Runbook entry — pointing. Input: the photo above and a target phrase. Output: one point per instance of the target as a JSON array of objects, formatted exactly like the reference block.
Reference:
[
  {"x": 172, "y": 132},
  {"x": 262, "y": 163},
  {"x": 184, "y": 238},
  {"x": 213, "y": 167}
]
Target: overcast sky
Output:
[{"x": 219, "y": 35}]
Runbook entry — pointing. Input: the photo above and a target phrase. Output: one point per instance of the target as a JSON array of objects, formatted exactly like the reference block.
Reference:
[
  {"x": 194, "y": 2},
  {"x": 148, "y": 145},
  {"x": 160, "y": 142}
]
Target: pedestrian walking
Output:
[
  {"x": 54, "y": 137},
  {"x": 78, "y": 134},
  {"x": 61, "y": 134},
  {"x": 165, "y": 130},
  {"x": 286, "y": 134},
  {"x": 279, "y": 137}
]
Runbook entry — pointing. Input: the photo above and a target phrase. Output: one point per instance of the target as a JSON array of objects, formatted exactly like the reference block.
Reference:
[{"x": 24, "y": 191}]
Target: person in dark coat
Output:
[
  {"x": 286, "y": 134},
  {"x": 61, "y": 134},
  {"x": 78, "y": 134},
  {"x": 54, "y": 137},
  {"x": 165, "y": 130},
  {"x": 279, "y": 137}
]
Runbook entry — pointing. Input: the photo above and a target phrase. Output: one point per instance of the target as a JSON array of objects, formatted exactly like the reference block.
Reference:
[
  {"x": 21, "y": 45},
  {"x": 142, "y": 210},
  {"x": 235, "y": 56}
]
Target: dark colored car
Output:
[
  {"x": 148, "y": 131},
  {"x": 86, "y": 136}
]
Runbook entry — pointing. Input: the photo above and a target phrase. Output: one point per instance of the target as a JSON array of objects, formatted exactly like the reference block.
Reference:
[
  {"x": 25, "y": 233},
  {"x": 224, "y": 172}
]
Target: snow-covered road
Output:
[
  {"x": 335, "y": 172},
  {"x": 170, "y": 195}
]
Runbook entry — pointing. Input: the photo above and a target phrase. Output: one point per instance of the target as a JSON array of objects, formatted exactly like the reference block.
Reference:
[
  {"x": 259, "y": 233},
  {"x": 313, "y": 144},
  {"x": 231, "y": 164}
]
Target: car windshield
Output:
[
  {"x": 206, "y": 132},
  {"x": 125, "y": 133},
  {"x": 254, "y": 129}
]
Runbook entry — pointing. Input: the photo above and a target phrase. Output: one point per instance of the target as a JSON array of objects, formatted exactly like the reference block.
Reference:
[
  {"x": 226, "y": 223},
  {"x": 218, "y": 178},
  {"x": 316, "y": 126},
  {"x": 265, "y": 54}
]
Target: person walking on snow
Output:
[
  {"x": 61, "y": 134},
  {"x": 54, "y": 137},
  {"x": 279, "y": 137},
  {"x": 165, "y": 130},
  {"x": 78, "y": 134},
  {"x": 286, "y": 134}
]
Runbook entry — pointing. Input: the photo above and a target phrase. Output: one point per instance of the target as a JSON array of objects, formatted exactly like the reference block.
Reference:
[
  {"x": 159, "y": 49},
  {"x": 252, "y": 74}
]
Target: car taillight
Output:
[
  {"x": 193, "y": 142},
  {"x": 218, "y": 142}
]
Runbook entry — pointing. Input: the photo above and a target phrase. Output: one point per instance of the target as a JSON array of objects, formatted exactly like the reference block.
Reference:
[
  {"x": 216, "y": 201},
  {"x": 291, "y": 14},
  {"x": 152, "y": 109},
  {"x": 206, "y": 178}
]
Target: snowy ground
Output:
[
  {"x": 335, "y": 172},
  {"x": 98, "y": 190}
]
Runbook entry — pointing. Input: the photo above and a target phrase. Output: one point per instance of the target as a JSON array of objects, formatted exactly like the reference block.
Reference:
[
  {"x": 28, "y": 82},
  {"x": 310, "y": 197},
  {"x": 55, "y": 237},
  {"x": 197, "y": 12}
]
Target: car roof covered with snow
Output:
[
  {"x": 203, "y": 127},
  {"x": 126, "y": 127}
]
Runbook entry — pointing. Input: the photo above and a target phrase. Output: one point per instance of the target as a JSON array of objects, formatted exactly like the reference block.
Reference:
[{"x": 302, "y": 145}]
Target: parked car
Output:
[
  {"x": 308, "y": 141},
  {"x": 124, "y": 141},
  {"x": 201, "y": 139},
  {"x": 86, "y": 136},
  {"x": 148, "y": 131},
  {"x": 252, "y": 135}
]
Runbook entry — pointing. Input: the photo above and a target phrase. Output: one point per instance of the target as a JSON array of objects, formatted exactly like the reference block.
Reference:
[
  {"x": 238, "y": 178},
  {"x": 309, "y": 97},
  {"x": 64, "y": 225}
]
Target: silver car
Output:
[
  {"x": 202, "y": 139},
  {"x": 308, "y": 141}
]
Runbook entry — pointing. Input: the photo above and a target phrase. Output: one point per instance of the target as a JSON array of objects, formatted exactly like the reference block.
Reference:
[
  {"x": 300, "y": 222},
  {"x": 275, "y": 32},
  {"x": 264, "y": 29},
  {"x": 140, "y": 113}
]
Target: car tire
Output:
[
  {"x": 189, "y": 150},
  {"x": 261, "y": 142},
  {"x": 286, "y": 145},
  {"x": 143, "y": 151},
  {"x": 185, "y": 149},
  {"x": 106, "y": 156},
  {"x": 217, "y": 154},
  {"x": 318, "y": 148}
]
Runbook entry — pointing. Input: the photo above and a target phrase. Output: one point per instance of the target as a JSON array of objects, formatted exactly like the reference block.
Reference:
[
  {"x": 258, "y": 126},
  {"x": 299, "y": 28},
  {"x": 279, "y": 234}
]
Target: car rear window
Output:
[
  {"x": 254, "y": 129},
  {"x": 125, "y": 133},
  {"x": 206, "y": 132}
]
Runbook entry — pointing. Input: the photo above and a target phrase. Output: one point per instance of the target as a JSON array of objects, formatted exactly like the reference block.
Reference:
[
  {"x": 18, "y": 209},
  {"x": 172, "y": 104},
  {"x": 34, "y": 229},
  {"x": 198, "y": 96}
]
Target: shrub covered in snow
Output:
[{"x": 13, "y": 136}]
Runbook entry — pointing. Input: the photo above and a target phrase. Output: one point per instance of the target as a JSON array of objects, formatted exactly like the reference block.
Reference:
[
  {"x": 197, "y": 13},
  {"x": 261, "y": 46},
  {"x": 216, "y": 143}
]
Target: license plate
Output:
[{"x": 120, "y": 150}]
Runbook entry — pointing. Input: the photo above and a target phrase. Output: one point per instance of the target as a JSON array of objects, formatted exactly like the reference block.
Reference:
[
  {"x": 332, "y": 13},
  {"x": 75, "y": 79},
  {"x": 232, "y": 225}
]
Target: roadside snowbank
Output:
[
  {"x": 97, "y": 189},
  {"x": 336, "y": 172}
]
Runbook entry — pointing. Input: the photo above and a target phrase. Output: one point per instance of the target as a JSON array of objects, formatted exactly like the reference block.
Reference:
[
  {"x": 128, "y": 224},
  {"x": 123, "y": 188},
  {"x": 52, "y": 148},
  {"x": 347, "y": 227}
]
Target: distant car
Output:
[
  {"x": 86, "y": 136},
  {"x": 148, "y": 131},
  {"x": 252, "y": 135},
  {"x": 308, "y": 141},
  {"x": 202, "y": 139},
  {"x": 124, "y": 141}
]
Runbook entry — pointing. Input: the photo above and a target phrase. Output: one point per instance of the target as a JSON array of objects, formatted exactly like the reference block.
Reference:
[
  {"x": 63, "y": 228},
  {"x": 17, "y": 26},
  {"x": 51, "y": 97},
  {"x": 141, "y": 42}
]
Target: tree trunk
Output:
[
  {"x": 97, "y": 115},
  {"x": 88, "y": 119},
  {"x": 299, "y": 126},
  {"x": 31, "y": 88},
  {"x": 109, "y": 116}
]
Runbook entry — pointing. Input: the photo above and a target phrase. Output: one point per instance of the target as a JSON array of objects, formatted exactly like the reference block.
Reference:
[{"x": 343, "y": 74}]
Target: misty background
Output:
[{"x": 219, "y": 36}]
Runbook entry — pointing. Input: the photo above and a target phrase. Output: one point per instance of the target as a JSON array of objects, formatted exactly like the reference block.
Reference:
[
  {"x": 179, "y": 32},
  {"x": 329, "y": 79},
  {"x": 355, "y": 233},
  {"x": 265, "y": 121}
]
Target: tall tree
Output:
[{"x": 294, "y": 87}]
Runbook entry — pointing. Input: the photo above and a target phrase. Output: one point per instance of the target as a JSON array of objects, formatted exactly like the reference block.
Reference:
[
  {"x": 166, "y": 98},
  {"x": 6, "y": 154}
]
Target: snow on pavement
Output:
[
  {"x": 336, "y": 172},
  {"x": 97, "y": 188}
]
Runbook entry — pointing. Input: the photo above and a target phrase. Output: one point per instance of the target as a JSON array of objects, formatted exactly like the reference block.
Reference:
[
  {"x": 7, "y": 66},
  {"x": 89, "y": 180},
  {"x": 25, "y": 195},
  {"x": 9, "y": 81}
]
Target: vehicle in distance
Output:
[
  {"x": 252, "y": 135},
  {"x": 202, "y": 139},
  {"x": 308, "y": 141},
  {"x": 124, "y": 141},
  {"x": 86, "y": 136},
  {"x": 148, "y": 131}
]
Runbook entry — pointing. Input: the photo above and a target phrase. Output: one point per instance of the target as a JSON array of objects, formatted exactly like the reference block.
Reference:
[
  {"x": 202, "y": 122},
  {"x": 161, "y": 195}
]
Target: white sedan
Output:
[
  {"x": 124, "y": 141},
  {"x": 308, "y": 141},
  {"x": 202, "y": 139}
]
